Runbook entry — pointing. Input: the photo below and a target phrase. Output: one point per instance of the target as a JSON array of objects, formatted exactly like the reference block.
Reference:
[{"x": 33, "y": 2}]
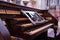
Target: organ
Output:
[{"x": 25, "y": 22}]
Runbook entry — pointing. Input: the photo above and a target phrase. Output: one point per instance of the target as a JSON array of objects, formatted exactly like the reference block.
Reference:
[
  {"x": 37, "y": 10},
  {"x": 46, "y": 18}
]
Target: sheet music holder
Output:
[{"x": 34, "y": 17}]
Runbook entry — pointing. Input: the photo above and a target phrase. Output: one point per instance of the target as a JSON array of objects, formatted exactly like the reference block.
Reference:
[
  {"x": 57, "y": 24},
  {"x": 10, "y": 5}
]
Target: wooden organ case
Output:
[{"x": 25, "y": 22}]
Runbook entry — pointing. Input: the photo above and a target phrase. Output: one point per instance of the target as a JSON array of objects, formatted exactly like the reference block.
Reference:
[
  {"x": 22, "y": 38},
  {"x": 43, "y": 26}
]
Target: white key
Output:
[{"x": 39, "y": 29}]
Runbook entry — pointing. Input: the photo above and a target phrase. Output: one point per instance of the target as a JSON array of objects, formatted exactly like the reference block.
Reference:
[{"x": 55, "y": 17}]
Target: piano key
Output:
[
  {"x": 40, "y": 14},
  {"x": 2, "y": 11},
  {"x": 27, "y": 25},
  {"x": 48, "y": 18},
  {"x": 13, "y": 12},
  {"x": 21, "y": 19},
  {"x": 39, "y": 29}
]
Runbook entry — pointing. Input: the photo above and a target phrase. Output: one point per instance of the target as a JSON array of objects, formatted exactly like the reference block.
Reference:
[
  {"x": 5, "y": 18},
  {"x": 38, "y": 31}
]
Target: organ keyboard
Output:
[
  {"x": 26, "y": 24},
  {"x": 38, "y": 29},
  {"x": 29, "y": 30}
]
